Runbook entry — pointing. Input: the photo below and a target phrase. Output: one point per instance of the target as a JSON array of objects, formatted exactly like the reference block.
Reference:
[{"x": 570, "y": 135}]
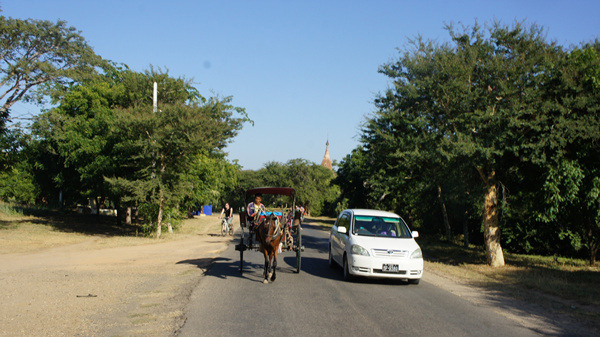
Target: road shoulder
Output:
[
  {"x": 88, "y": 289},
  {"x": 541, "y": 316}
]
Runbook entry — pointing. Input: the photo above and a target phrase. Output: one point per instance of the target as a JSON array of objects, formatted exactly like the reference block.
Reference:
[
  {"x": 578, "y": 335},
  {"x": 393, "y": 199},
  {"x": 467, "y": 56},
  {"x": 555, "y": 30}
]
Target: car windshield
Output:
[{"x": 380, "y": 226}]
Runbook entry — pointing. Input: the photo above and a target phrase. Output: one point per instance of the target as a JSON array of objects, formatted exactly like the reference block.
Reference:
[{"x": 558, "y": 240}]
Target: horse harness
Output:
[{"x": 276, "y": 232}]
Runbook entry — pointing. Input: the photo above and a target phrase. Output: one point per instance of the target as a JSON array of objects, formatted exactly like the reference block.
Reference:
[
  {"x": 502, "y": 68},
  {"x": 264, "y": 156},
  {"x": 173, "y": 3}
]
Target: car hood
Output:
[{"x": 370, "y": 242}]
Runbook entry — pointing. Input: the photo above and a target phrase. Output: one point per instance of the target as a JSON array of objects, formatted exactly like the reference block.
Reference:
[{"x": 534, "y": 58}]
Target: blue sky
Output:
[{"x": 306, "y": 71}]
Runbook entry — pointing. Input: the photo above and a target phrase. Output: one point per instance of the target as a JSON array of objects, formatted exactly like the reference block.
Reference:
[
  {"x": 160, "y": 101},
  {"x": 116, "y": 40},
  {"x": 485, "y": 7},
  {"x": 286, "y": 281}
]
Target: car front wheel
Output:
[
  {"x": 347, "y": 275},
  {"x": 331, "y": 261},
  {"x": 414, "y": 281}
]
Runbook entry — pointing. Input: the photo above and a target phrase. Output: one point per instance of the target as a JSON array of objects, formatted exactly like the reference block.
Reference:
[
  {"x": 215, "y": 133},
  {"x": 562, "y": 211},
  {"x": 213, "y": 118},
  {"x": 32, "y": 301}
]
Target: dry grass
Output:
[
  {"x": 28, "y": 237},
  {"x": 570, "y": 279},
  {"x": 320, "y": 221},
  {"x": 20, "y": 233}
]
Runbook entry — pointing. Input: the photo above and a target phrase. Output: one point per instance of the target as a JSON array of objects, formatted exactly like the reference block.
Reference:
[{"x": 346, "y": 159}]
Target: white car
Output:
[{"x": 373, "y": 243}]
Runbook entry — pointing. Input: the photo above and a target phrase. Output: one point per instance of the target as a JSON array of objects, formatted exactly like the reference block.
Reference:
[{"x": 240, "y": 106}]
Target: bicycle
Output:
[{"x": 226, "y": 228}]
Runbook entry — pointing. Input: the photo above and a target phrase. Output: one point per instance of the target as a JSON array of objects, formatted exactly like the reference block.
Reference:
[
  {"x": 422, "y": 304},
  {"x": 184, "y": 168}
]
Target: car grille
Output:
[{"x": 390, "y": 253}]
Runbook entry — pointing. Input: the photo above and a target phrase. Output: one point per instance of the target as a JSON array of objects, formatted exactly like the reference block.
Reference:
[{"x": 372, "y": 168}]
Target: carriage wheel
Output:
[
  {"x": 242, "y": 251},
  {"x": 299, "y": 249}
]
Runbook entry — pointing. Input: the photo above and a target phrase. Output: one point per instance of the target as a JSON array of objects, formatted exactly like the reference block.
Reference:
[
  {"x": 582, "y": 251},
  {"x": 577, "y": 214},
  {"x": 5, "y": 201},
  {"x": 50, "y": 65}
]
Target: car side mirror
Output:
[
  {"x": 415, "y": 234},
  {"x": 342, "y": 230}
]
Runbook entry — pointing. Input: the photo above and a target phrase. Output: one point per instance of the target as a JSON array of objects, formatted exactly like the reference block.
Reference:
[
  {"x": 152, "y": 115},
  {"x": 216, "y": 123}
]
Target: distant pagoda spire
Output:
[{"x": 326, "y": 159}]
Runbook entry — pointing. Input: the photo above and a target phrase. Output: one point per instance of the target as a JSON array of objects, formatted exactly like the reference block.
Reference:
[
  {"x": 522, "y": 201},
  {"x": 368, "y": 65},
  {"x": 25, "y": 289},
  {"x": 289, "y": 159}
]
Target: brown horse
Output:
[{"x": 269, "y": 233}]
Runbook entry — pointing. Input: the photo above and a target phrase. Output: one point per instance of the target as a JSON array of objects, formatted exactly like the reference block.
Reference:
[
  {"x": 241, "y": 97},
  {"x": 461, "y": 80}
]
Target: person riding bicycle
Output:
[{"x": 227, "y": 211}]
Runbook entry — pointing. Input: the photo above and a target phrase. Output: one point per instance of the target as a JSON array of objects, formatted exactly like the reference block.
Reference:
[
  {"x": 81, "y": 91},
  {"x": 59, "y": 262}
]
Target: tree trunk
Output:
[
  {"x": 97, "y": 206},
  {"x": 117, "y": 207},
  {"x": 491, "y": 229},
  {"x": 169, "y": 226},
  {"x": 466, "y": 229},
  {"x": 445, "y": 215},
  {"x": 593, "y": 242},
  {"x": 161, "y": 206},
  {"x": 119, "y": 216},
  {"x": 128, "y": 216}
]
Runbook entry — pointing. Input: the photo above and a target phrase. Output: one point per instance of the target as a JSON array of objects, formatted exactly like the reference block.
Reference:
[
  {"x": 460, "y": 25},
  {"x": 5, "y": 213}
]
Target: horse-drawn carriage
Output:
[{"x": 271, "y": 230}]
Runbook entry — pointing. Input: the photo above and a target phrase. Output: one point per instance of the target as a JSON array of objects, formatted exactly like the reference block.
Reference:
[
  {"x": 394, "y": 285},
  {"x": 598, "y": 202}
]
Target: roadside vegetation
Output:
[
  {"x": 24, "y": 230},
  {"x": 101, "y": 141},
  {"x": 494, "y": 135}
]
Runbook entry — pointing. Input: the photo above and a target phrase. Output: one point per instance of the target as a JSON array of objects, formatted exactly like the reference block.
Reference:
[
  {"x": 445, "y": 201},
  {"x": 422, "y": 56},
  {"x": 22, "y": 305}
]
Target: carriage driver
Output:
[{"x": 253, "y": 208}]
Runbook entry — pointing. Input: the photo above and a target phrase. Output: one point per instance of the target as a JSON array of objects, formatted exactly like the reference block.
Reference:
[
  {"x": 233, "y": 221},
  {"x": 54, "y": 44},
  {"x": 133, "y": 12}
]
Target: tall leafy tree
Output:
[
  {"x": 164, "y": 146},
  {"x": 77, "y": 132},
  {"x": 477, "y": 100},
  {"x": 36, "y": 54},
  {"x": 571, "y": 190}
]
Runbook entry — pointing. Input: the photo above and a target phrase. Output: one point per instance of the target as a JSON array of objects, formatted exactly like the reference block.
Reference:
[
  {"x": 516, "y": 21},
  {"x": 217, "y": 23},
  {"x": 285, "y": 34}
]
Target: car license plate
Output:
[{"x": 390, "y": 268}]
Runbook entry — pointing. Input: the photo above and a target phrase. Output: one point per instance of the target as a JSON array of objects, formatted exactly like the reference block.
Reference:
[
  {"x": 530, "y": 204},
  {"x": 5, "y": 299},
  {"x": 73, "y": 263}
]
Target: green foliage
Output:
[
  {"x": 9, "y": 210},
  {"x": 16, "y": 185},
  {"x": 16, "y": 179},
  {"x": 104, "y": 140},
  {"x": 149, "y": 212},
  {"x": 12, "y": 142},
  {"x": 312, "y": 182},
  {"x": 161, "y": 146},
  {"x": 212, "y": 179},
  {"x": 498, "y": 107},
  {"x": 166, "y": 155},
  {"x": 37, "y": 54}
]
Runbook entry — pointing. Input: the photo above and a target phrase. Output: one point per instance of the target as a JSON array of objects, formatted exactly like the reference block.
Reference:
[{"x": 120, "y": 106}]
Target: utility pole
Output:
[
  {"x": 160, "y": 209},
  {"x": 155, "y": 98}
]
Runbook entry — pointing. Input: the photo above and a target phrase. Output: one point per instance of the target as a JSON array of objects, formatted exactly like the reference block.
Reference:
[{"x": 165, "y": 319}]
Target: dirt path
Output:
[{"x": 84, "y": 289}]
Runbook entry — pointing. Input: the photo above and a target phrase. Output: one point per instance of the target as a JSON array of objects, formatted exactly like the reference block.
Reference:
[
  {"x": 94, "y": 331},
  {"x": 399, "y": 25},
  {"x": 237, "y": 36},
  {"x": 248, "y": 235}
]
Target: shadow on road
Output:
[
  {"x": 224, "y": 268},
  {"x": 320, "y": 245},
  {"x": 200, "y": 263}
]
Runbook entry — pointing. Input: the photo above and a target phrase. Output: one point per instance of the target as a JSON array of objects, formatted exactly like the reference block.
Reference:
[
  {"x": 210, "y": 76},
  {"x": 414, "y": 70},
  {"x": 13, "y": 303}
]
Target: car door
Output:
[
  {"x": 335, "y": 239},
  {"x": 340, "y": 238},
  {"x": 344, "y": 237}
]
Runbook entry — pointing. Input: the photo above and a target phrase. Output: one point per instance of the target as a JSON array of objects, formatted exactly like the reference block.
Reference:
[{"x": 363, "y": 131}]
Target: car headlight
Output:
[
  {"x": 359, "y": 250},
  {"x": 417, "y": 254}
]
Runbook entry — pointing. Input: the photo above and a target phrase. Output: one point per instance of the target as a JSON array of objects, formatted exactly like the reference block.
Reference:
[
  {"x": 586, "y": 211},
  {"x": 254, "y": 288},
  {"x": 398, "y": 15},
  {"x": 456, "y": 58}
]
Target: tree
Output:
[
  {"x": 571, "y": 190},
  {"x": 16, "y": 181},
  {"x": 165, "y": 145},
  {"x": 11, "y": 144},
  {"x": 35, "y": 53},
  {"x": 478, "y": 100},
  {"x": 312, "y": 183},
  {"x": 352, "y": 177},
  {"x": 211, "y": 179},
  {"x": 76, "y": 133}
]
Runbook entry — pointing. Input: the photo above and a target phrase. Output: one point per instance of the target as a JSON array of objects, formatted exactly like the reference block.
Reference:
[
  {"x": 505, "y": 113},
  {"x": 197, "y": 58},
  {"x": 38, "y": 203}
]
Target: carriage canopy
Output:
[{"x": 290, "y": 192}]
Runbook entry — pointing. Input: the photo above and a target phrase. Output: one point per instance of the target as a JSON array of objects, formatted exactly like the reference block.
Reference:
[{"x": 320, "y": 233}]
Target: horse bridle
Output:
[{"x": 277, "y": 230}]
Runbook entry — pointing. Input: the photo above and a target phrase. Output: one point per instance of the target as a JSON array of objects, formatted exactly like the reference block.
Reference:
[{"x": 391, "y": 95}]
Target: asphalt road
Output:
[{"x": 317, "y": 302}]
